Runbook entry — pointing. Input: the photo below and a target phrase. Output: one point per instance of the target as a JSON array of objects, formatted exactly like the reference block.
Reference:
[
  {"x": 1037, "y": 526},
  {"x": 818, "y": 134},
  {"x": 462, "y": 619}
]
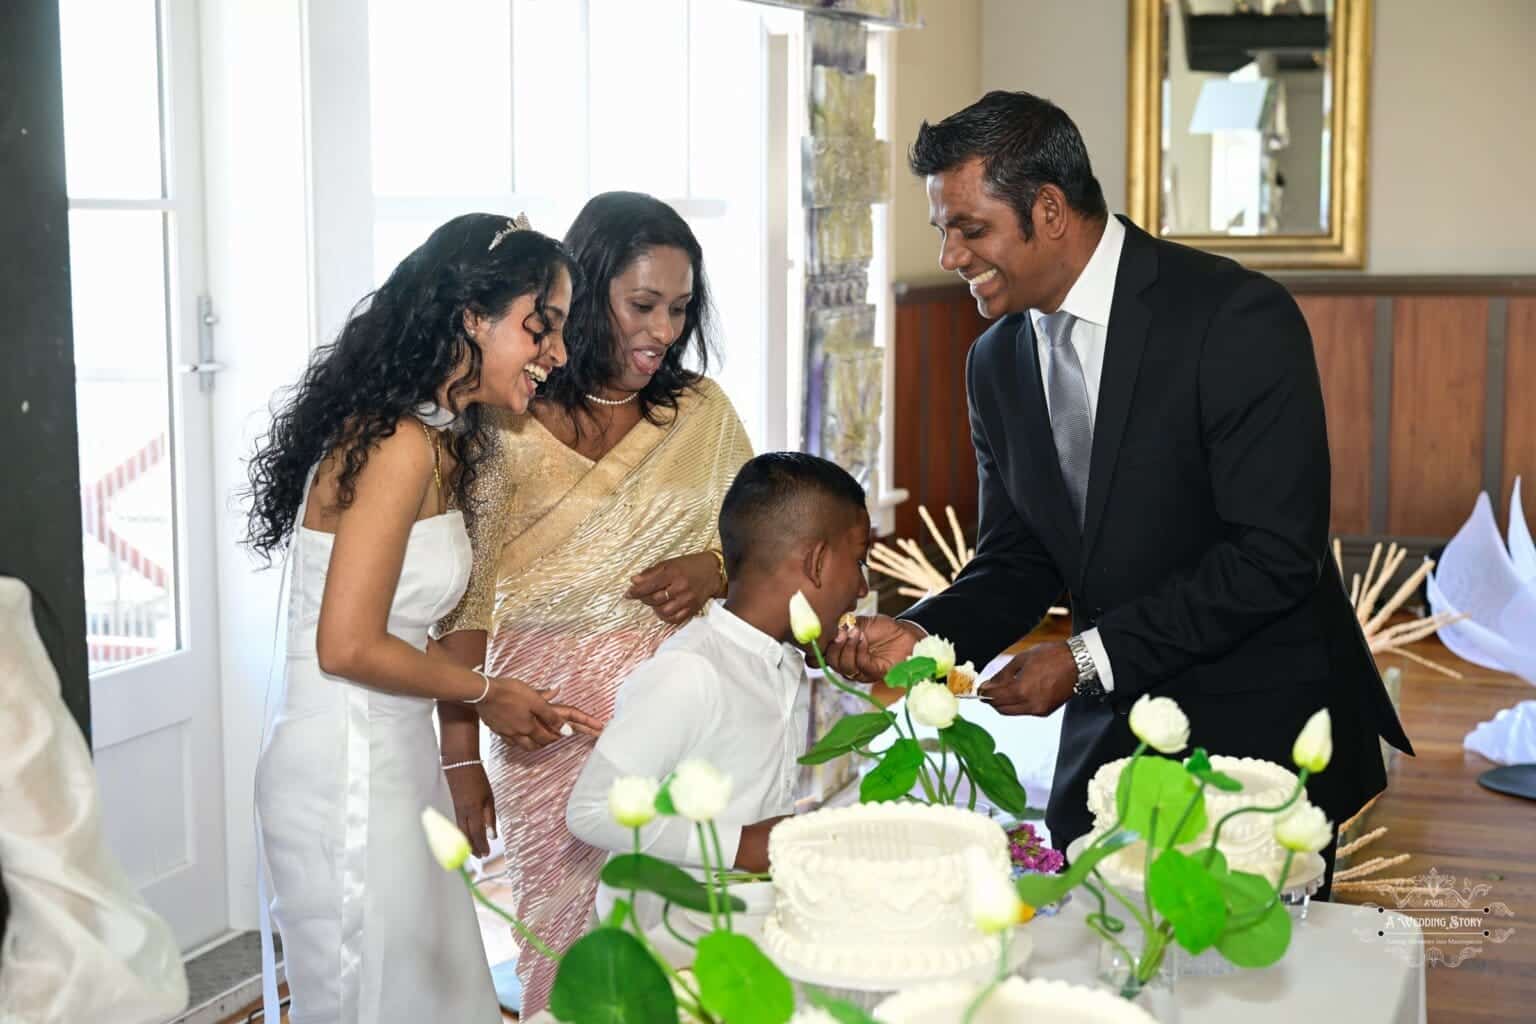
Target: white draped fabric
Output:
[{"x": 81, "y": 945}]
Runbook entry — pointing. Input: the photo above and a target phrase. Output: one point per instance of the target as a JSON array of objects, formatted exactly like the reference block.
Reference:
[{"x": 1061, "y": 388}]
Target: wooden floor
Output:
[{"x": 1434, "y": 810}]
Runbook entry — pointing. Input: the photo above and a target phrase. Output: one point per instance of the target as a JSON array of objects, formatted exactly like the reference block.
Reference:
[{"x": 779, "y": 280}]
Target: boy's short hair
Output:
[{"x": 781, "y": 499}]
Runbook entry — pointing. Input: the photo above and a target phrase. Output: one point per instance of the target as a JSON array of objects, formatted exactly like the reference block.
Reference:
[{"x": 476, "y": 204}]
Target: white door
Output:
[{"x": 147, "y": 506}]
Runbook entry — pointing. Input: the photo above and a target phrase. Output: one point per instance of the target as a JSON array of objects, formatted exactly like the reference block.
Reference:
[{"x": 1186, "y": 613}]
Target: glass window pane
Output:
[
  {"x": 440, "y": 97},
  {"x": 110, "y": 55},
  {"x": 639, "y": 96},
  {"x": 727, "y": 101},
  {"x": 394, "y": 240},
  {"x": 547, "y": 130},
  {"x": 127, "y": 499}
]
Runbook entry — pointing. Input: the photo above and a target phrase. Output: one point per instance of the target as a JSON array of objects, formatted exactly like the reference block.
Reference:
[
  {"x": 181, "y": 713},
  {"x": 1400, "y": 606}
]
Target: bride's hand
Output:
[
  {"x": 677, "y": 588},
  {"x": 524, "y": 715},
  {"x": 474, "y": 806}
]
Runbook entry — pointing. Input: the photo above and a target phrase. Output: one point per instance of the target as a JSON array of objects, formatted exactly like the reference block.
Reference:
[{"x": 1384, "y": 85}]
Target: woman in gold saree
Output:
[{"x": 596, "y": 538}]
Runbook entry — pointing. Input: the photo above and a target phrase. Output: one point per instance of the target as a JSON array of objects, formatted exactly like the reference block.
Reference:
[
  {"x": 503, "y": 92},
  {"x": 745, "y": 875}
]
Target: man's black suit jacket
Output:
[{"x": 1204, "y": 559}]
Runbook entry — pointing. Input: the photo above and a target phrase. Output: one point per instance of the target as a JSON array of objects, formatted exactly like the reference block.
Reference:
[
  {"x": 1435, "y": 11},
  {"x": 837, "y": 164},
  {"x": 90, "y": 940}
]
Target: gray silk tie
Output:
[{"x": 1067, "y": 395}]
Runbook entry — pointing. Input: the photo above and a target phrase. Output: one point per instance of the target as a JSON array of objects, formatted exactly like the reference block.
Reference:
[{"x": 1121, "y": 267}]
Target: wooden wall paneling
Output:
[
  {"x": 1416, "y": 446},
  {"x": 1342, "y": 332},
  {"x": 908, "y": 415},
  {"x": 939, "y": 400},
  {"x": 968, "y": 326},
  {"x": 1520, "y": 408},
  {"x": 1439, "y": 360},
  {"x": 934, "y": 460}
]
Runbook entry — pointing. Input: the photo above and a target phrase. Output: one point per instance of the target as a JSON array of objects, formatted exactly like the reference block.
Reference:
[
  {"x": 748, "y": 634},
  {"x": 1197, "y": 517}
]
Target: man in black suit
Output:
[{"x": 1149, "y": 435}]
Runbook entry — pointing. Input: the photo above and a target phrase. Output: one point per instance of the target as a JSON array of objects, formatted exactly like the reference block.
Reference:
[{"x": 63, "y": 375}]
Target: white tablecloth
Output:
[{"x": 1337, "y": 969}]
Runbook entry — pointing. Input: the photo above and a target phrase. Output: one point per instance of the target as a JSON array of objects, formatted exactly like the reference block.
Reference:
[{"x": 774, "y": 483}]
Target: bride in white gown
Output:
[{"x": 364, "y": 476}]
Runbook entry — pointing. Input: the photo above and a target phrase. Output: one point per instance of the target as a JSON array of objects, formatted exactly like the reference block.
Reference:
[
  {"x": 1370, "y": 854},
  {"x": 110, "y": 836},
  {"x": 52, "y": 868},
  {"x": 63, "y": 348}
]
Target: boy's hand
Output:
[
  {"x": 677, "y": 588},
  {"x": 752, "y": 849}
]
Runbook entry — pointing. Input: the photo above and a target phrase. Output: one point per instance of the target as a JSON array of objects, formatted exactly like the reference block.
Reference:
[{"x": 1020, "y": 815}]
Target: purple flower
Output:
[{"x": 1029, "y": 854}]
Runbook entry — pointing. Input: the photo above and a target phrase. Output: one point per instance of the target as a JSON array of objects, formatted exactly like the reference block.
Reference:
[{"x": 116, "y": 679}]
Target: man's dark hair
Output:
[
  {"x": 780, "y": 499},
  {"x": 1024, "y": 142}
]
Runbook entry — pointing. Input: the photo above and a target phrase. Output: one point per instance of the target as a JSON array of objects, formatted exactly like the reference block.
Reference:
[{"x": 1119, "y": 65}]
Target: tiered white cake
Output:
[
  {"x": 1014, "y": 1000},
  {"x": 1247, "y": 841},
  {"x": 878, "y": 891}
]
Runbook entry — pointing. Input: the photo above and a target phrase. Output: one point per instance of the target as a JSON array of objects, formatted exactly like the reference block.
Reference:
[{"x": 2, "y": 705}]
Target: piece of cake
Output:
[
  {"x": 1247, "y": 841},
  {"x": 878, "y": 891},
  {"x": 962, "y": 680},
  {"x": 1012, "y": 1001}
]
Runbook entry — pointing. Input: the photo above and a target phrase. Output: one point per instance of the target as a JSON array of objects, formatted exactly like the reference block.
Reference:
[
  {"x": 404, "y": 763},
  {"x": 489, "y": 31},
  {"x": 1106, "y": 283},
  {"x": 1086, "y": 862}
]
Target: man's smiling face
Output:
[{"x": 984, "y": 244}]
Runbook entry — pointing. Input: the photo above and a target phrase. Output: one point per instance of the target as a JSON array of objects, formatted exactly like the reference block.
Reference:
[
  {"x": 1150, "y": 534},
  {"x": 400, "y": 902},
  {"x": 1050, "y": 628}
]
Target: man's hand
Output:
[
  {"x": 866, "y": 652},
  {"x": 1036, "y": 682},
  {"x": 752, "y": 848}
]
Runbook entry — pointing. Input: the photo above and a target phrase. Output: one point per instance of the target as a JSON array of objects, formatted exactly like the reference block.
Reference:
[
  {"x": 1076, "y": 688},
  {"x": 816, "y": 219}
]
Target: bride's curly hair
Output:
[{"x": 400, "y": 344}]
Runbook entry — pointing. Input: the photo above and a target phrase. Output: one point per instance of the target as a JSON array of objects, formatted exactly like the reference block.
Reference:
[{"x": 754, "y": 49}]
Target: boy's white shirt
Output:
[{"x": 720, "y": 690}]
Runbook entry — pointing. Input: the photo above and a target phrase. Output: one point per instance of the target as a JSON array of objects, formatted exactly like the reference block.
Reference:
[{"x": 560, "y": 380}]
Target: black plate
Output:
[{"x": 1511, "y": 779}]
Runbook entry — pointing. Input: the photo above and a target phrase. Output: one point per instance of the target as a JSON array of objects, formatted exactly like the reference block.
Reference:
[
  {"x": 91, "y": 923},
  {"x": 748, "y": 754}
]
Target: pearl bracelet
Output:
[
  {"x": 462, "y": 764},
  {"x": 484, "y": 693}
]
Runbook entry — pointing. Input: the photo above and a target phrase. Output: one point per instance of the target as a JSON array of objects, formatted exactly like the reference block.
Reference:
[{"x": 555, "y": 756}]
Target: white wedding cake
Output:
[
  {"x": 1014, "y": 1000},
  {"x": 1247, "y": 841},
  {"x": 879, "y": 891}
]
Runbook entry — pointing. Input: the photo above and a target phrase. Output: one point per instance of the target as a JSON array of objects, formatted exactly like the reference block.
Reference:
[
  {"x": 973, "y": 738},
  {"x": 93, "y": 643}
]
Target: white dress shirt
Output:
[
  {"x": 718, "y": 689},
  {"x": 1089, "y": 301}
]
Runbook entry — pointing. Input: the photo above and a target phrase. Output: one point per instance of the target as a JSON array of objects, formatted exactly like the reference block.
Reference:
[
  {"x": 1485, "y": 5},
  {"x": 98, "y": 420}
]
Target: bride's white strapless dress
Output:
[{"x": 374, "y": 931}]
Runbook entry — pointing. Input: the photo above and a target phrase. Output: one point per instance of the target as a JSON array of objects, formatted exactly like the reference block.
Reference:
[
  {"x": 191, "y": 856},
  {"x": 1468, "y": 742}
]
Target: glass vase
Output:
[{"x": 1155, "y": 992}]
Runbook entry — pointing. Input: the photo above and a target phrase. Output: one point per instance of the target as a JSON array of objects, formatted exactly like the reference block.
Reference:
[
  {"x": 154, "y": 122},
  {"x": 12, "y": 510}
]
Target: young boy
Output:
[{"x": 730, "y": 686}]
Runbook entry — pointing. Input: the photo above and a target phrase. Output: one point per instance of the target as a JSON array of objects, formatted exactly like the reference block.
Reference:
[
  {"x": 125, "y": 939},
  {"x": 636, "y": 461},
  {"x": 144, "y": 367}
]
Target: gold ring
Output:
[{"x": 666, "y": 594}]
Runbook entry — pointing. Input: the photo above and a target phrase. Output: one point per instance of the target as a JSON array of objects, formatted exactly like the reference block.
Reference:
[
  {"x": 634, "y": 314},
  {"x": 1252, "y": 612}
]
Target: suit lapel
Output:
[
  {"x": 1041, "y": 444},
  {"x": 1129, "y": 320}
]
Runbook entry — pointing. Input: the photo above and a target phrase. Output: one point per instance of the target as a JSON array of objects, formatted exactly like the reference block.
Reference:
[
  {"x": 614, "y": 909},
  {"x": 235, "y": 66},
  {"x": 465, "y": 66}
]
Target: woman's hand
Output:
[
  {"x": 474, "y": 806},
  {"x": 677, "y": 588},
  {"x": 524, "y": 715}
]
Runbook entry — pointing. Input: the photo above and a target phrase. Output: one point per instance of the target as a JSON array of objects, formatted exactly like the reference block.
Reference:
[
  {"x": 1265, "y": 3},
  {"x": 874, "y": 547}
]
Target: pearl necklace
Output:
[{"x": 614, "y": 401}]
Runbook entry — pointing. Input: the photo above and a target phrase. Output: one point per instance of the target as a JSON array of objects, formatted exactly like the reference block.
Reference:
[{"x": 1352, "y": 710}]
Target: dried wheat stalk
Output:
[
  {"x": 907, "y": 564},
  {"x": 1365, "y": 592},
  {"x": 1363, "y": 841},
  {"x": 1370, "y": 867}
]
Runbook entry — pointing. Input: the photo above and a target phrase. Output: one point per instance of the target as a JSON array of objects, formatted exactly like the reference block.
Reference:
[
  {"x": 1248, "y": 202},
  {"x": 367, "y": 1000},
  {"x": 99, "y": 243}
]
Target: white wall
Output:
[
  {"x": 937, "y": 71},
  {"x": 1072, "y": 53},
  {"x": 256, "y": 163},
  {"x": 1451, "y": 153}
]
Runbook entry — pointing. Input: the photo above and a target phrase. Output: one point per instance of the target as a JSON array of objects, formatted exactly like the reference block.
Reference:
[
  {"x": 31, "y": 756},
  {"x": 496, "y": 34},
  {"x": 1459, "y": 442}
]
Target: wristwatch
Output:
[{"x": 1087, "y": 684}]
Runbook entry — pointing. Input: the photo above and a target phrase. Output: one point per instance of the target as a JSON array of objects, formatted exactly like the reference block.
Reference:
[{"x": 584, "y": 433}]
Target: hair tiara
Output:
[{"x": 518, "y": 223}]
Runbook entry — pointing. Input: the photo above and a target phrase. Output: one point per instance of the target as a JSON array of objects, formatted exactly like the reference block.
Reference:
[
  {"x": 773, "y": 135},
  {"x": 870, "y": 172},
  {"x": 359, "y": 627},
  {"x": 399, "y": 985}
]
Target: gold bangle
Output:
[{"x": 725, "y": 581}]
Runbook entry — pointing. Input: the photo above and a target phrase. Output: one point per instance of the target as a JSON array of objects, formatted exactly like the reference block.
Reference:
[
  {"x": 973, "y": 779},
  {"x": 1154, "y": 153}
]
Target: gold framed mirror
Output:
[{"x": 1248, "y": 127}]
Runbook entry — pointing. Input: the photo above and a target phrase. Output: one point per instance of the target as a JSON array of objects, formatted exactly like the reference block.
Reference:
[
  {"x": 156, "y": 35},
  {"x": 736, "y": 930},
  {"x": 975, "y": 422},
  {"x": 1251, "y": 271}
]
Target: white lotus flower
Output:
[
  {"x": 448, "y": 844},
  {"x": 699, "y": 791},
  {"x": 1160, "y": 723},
  {"x": 1303, "y": 828},
  {"x": 803, "y": 622},
  {"x": 990, "y": 897},
  {"x": 632, "y": 800},
  {"x": 1314, "y": 746},
  {"x": 932, "y": 704},
  {"x": 940, "y": 650}
]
